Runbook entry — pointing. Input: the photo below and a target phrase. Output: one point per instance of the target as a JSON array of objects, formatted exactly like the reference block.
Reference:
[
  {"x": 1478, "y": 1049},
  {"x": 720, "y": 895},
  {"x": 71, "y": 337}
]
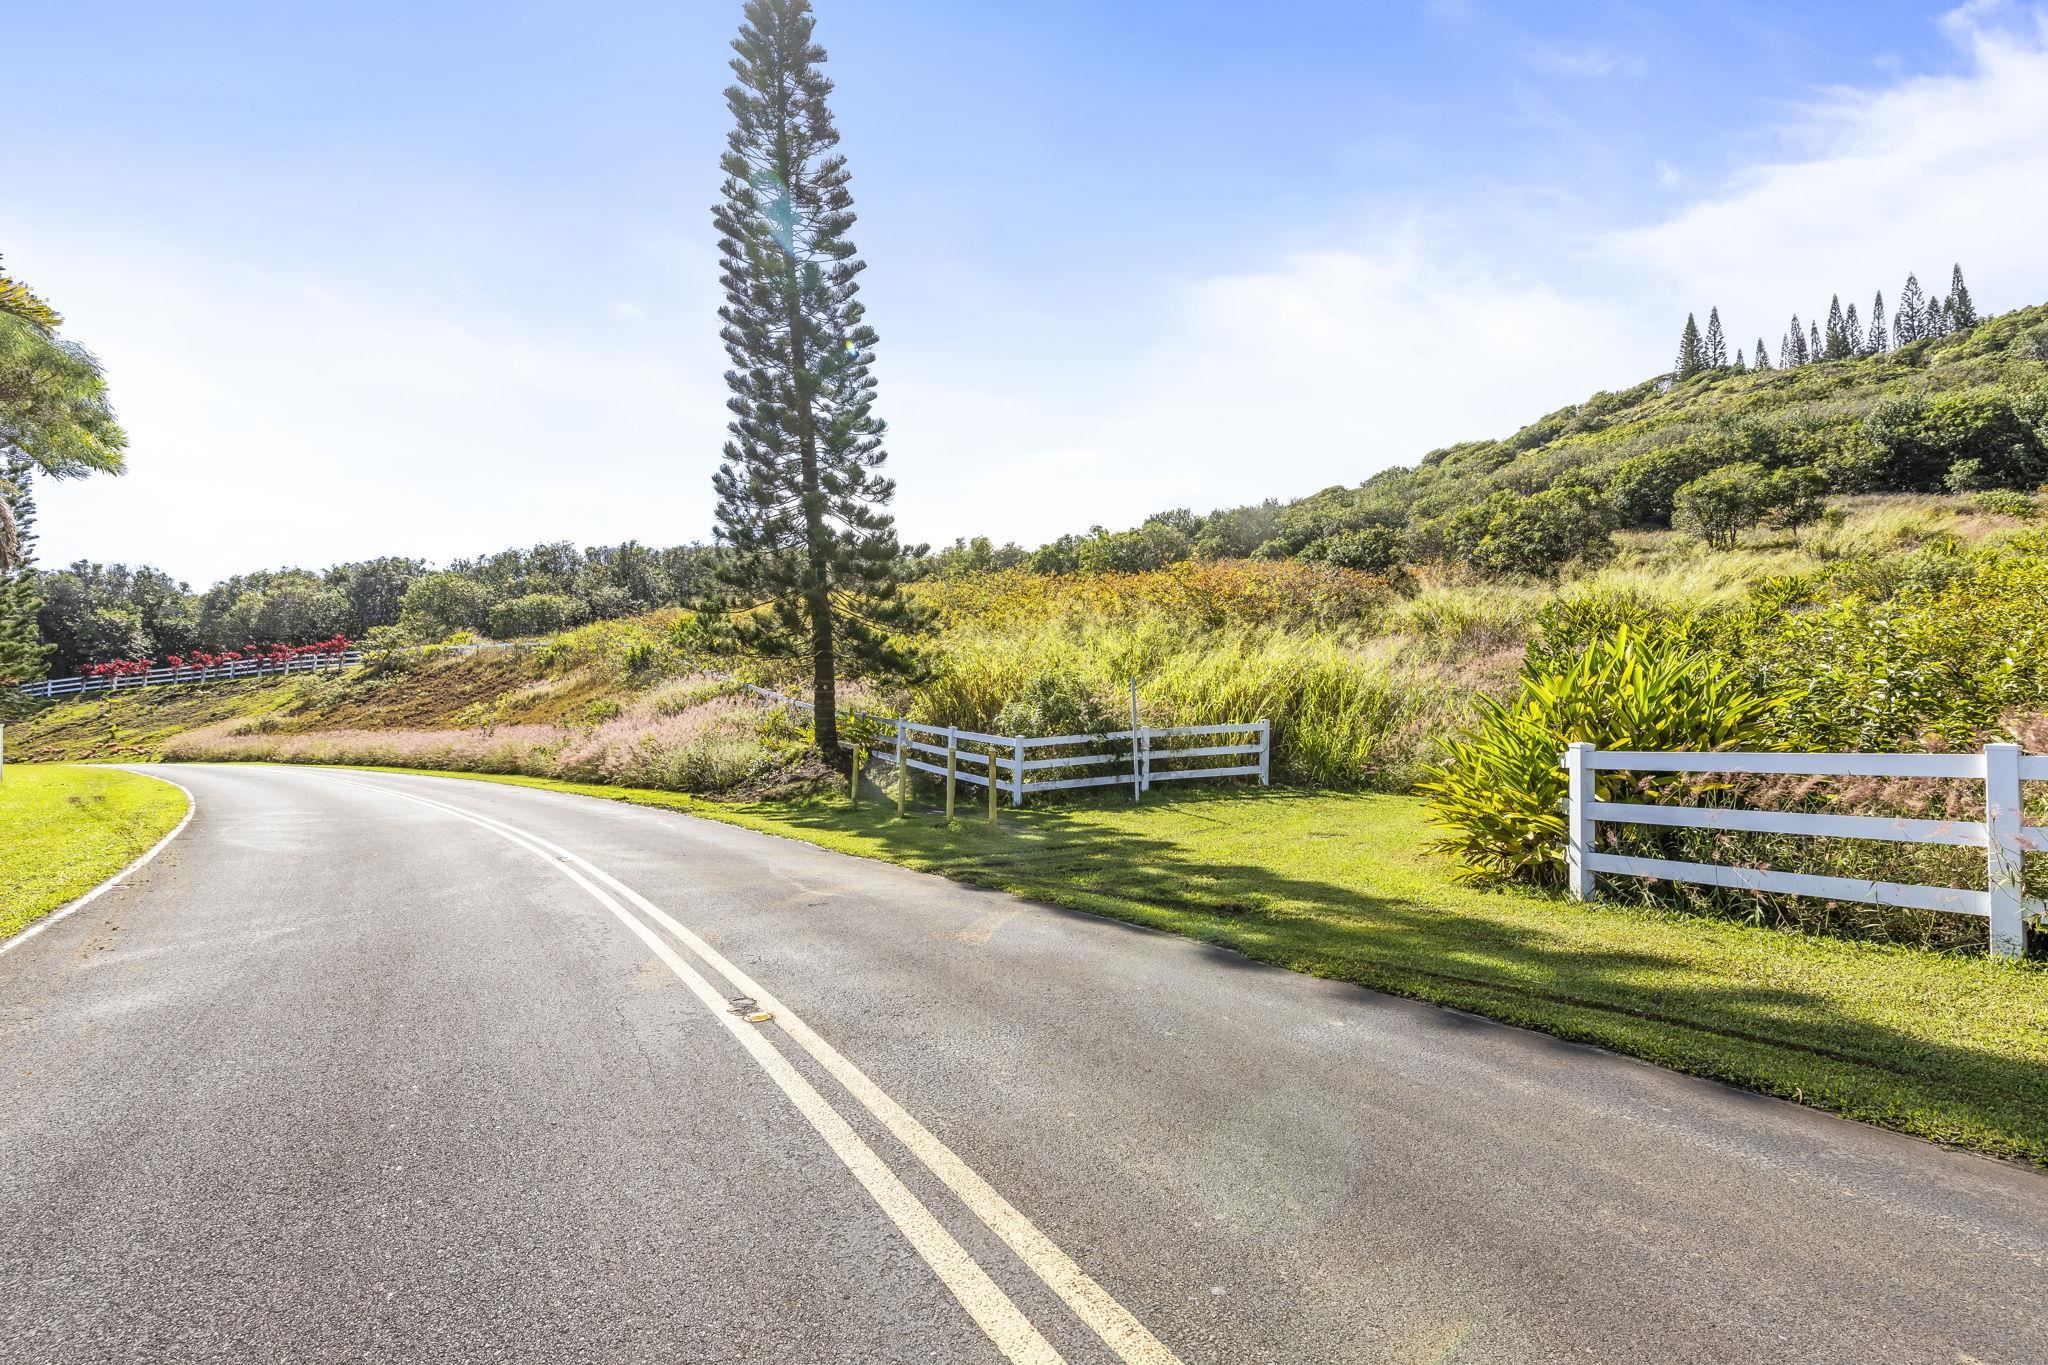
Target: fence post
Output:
[
  {"x": 1265, "y": 753},
  {"x": 1017, "y": 775},
  {"x": 853, "y": 779},
  {"x": 992, "y": 788},
  {"x": 1145, "y": 740},
  {"x": 902, "y": 773},
  {"x": 2006, "y": 856},
  {"x": 1578, "y": 839},
  {"x": 952, "y": 766}
]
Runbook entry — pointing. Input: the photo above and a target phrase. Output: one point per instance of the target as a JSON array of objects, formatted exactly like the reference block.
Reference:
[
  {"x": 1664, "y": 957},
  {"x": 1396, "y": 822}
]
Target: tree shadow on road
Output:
[{"x": 1756, "y": 1007}]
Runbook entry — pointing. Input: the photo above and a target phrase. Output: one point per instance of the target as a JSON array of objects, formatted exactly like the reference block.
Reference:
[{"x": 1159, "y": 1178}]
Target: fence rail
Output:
[
  {"x": 158, "y": 677},
  {"x": 2003, "y": 835},
  {"x": 50, "y": 688},
  {"x": 1152, "y": 755}
]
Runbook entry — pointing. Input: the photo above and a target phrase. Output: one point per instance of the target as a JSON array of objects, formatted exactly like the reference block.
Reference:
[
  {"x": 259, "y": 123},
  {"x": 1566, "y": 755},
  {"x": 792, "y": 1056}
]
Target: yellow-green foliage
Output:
[
  {"x": 652, "y": 644},
  {"x": 1339, "y": 718},
  {"x": 1951, "y": 657},
  {"x": 63, "y": 830},
  {"x": 1196, "y": 593},
  {"x": 1207, "y": 643}
]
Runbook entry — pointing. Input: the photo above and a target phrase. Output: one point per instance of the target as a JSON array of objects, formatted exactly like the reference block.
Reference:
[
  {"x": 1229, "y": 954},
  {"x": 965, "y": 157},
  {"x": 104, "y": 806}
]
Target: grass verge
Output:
[
  {"x": 1954, "y": 1049},
  {"x": 64, "y": 830}
]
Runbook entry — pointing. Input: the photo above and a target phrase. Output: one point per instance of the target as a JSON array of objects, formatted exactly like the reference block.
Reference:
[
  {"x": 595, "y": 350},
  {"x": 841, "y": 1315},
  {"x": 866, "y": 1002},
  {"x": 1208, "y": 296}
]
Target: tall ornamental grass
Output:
[
  {"x": 691, "y": 735},
  {"x": 1340, "y": 718}
]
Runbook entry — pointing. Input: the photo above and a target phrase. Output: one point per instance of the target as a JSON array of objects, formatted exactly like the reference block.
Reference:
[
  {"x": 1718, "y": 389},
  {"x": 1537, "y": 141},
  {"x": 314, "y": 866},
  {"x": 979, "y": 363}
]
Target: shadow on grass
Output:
[{"x": 1672, "y": 1005}]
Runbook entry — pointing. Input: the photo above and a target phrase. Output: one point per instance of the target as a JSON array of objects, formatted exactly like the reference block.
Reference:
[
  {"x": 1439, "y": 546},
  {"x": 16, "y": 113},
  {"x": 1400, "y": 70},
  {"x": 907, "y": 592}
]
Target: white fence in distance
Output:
[
  {"x": 1153, "y": 756},
  {"x": 2002, "y": 834},
  {"x": 158, "y": 677},
  {"x": 50, "y": 688}
]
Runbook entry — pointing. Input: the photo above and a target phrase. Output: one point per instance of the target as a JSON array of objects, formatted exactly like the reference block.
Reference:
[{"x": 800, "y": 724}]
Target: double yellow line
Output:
[{"x": 984, "y": 1301}]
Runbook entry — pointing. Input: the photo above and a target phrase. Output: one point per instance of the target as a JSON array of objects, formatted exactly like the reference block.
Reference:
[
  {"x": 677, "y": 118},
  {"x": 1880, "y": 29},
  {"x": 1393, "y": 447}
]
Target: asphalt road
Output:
[{"x": 373, "y": 1067}]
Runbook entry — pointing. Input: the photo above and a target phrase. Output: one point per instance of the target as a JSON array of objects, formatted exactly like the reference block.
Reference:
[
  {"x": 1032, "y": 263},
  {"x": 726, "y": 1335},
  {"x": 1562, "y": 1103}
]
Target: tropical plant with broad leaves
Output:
[{"x": 1499, "y": 793}]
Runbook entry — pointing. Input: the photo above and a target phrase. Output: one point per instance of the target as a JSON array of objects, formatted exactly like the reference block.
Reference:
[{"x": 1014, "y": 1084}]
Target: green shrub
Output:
[
  {"x": 386, "y": 649},
  {"x": 439, "y": 604},
  {"x": 1510, "y": 533},
  {"x": 536, "y": 613},
  {"x": 2005, "y": 502},
  {"x": 1500, "y": 791},
  {"x": 1718, "y": 506},
  {"x": 1957, "y": 645},
  {"x": 1370, "y": 549},
  {"x": 1059, "y": 701}
]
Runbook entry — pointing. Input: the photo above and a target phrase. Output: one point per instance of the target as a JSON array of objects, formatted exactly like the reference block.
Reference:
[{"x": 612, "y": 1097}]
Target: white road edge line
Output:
[
  {"x": 191, "y": 808},
  {"x": 992, "y": 1310},
  {"x": 1119, "y": 1329}
]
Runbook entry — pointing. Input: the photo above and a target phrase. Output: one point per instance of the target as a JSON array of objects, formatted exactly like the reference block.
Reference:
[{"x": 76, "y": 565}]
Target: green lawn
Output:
[
  {"x": 64, "y": 830},
  {"x": 1954, "y": 1049}
]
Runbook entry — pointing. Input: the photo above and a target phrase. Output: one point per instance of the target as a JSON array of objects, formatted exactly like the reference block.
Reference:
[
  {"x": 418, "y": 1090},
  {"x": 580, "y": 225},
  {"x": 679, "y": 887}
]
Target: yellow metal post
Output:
[
  {"x": 991, "y": 789},
  {"x": 853, "y": 780}
]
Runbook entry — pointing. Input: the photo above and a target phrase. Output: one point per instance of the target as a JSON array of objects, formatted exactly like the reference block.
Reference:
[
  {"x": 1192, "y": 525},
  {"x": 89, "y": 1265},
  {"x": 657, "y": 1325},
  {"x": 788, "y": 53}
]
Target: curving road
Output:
[{"x": 375, "y": 1067}]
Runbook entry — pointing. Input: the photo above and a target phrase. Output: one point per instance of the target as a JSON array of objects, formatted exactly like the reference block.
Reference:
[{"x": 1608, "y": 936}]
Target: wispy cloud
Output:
[{"x": 1586, "y": 63}]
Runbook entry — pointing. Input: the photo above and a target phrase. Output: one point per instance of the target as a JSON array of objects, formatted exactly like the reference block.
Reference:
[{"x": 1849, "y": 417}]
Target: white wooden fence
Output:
[
  {"x": 2002, "y": 834},
  {"x": 1153, "y": 754},
  {"x": 157, "y": 677},
  {"x": 237, "y": 668}
]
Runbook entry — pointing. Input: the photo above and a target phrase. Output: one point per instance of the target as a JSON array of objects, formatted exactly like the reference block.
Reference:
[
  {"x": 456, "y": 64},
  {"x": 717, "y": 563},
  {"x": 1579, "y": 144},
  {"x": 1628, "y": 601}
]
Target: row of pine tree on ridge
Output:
[{"x": 1845, "y": 335}]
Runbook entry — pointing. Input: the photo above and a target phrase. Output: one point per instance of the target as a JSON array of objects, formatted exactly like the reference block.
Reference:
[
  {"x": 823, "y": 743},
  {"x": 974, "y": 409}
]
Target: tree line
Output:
[
  {"x": 1845, "y": 336},
  {"x": 93, "y": 613}
]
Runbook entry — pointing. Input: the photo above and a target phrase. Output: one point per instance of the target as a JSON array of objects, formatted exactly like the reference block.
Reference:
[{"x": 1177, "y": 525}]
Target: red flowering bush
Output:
[
  {"x": 117, "y": 668},
  {"x": 271, "y": 654}
]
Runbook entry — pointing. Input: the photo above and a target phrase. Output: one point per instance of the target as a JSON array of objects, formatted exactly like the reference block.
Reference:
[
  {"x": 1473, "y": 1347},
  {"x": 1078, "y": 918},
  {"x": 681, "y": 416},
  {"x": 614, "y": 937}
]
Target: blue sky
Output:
[{"x": 433, "y": 279}]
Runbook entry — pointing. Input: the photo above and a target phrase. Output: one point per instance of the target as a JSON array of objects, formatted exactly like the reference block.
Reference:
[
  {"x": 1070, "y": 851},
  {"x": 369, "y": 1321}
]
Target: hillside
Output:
[
  {"x": 1964, "y": 412},
  {"x": 1363, "y": 678}
]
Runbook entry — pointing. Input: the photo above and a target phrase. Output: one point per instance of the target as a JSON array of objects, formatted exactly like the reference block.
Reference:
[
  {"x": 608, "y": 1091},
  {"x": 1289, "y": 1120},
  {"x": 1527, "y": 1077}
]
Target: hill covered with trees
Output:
[{"x": 1939, "y": 402}]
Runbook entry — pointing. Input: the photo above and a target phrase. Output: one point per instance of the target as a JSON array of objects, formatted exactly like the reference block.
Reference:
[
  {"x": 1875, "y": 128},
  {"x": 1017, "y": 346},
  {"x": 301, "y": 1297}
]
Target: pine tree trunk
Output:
[{"x": 818, "y": 598}]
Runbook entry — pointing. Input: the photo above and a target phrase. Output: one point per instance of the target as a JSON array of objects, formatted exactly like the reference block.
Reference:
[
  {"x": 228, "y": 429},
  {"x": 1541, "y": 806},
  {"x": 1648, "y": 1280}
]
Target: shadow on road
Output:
[{"x": 1662, "y": 988}]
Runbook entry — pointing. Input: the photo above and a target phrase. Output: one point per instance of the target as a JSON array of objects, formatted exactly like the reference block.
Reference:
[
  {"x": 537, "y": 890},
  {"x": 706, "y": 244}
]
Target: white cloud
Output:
[
  {"x": 1325, "y": 367},
  {"x": 1915, "y": 176},
  {"x": 1586, "y": 63}
]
